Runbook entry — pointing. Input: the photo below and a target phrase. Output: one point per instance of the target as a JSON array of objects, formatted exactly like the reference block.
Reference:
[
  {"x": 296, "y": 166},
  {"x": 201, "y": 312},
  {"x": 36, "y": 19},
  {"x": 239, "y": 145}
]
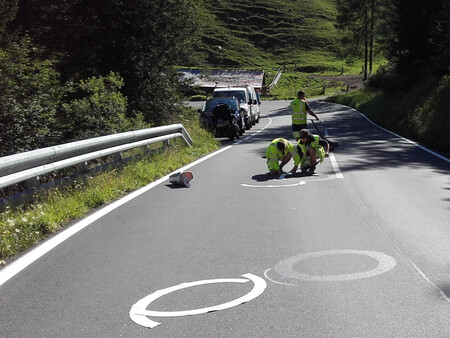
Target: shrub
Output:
[
  {"x": 100, "y": 111},
  {"x": 30, "y": 94}
]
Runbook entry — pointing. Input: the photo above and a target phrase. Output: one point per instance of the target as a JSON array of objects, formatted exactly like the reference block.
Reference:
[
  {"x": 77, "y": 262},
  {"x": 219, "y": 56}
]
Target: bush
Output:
[
  {"x": 198, "y": 98},
  {"x": 29, "y": 97},
  {"x": 100, "y": 111}
]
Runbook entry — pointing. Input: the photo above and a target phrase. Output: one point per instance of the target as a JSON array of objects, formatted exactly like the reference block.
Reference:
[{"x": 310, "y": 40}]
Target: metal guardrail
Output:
[
  {"x": 28, "y": 165},
  {"x": 275, "y": 80}
]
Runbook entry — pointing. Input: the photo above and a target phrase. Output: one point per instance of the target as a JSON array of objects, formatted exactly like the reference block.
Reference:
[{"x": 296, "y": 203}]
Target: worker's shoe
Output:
[{"x": 311, "y": 169}]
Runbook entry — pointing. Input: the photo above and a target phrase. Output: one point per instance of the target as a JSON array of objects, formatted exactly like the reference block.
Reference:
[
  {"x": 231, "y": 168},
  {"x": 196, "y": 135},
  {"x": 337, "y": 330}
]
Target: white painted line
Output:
[
  {"x": 335, "y": 166},
  {"x": 274, "y": 281},
  {"x": 286, "y": 268},
  {"x": 138, "y": 312},
  {"x": 256, "y": 133},
  {"x": 17, "y": 266},
  {"x": 273, "y": 186},
  {"x": 405, "y": 139}
]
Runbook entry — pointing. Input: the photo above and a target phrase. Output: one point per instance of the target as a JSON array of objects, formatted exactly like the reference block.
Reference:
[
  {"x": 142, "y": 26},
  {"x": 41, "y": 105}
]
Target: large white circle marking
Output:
[
  {"x": 138, "y": 312},
  {"x": 285, "y": 267}
]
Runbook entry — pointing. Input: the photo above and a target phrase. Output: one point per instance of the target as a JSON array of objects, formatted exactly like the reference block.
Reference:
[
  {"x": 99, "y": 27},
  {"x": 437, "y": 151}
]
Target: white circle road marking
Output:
[
  {"x": 273, "y": 185},
  {"x": 326, "y": 178},
  {"x": 138, "y": 312},
  {"x": 285, "y": 267}
]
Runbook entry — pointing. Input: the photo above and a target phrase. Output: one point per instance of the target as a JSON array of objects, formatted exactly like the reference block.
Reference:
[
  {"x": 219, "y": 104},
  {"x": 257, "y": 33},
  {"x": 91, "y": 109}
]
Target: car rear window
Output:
[
  {"x": 210, "y": 105},
  {"x": 239, "y": 94}
]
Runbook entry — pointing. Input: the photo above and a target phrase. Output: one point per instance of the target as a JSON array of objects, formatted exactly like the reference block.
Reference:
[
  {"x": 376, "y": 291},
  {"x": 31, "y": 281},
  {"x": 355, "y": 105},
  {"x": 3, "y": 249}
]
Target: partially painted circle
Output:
[
  {"x": 286, "y": 267},
  {"x": 274, "y": 185},
  {"x": 139, "y": 313}
]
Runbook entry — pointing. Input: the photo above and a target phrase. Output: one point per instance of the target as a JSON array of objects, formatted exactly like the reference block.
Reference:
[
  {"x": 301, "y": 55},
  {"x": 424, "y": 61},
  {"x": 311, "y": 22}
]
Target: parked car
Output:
[
  {"x": 245, "y": 101},
  {"x": 255, "y": 104},
  {"x": 215, "y": 120}
]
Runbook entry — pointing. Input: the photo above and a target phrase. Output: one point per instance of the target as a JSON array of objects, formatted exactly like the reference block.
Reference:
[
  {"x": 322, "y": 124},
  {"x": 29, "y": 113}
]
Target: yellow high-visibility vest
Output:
[
  {"x": 298, "y": 108},
  {"x": 275, "y": 155},
  {"x": 320, "y": 152}
]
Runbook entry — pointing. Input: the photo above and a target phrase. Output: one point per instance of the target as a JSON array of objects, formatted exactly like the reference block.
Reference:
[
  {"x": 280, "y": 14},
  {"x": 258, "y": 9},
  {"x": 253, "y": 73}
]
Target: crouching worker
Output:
[
  {"x": 282, "y": 150},
  {"x": 312, "y": 150}
]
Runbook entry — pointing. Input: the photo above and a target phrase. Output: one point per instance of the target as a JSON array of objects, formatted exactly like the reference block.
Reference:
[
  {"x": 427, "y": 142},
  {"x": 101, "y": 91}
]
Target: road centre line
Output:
[
  {"x": 257, "y": 132},
  {"x": 335, "y": 166}
]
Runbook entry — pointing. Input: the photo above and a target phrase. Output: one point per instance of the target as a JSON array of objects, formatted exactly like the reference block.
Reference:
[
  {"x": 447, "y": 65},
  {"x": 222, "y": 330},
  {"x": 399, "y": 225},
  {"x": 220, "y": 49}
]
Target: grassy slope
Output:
[
  {"x": 267, "y": 33},
  {"x": 421, "y": 114}
]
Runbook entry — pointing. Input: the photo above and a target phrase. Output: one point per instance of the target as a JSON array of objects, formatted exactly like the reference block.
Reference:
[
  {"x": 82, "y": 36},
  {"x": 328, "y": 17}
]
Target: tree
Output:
[
  {"x": 417, "y": 38},
  {"x": 29, "y": 97},
  {"x": 100, "y": 111},
  {"x": 357, "y": 19},
  {"x": 140, "y": 40}
]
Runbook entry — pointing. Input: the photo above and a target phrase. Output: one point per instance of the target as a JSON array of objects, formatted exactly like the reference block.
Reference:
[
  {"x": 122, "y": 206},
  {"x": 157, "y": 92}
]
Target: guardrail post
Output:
[
  {"x": 31, "y": 183},
  {"x": 118, "y": 157},
  {"x": 82, "y": 167}
]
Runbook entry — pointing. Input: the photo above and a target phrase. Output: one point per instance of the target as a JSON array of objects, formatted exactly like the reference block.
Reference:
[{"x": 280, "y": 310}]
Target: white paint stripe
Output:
[
  {"x": 274, "y": 281},
  {"x": 405, "y": 139},
  {"x": 335, "y": 166},
  {"x": 17, "y": 266},
  {"x": 422, "y": 274},
  {"x": 273, "y": 186},
  {"x": 257, "y": 132}
]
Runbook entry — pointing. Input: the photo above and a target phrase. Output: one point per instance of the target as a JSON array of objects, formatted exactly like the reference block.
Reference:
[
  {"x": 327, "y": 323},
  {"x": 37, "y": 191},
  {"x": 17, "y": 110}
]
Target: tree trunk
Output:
[
  {"x": 366, "y": 42},
  {"x": 372, "y": 20}
]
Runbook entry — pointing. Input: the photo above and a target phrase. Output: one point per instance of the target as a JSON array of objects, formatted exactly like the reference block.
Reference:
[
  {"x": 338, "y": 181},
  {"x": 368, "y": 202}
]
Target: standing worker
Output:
[
  {"x": 299, "y": 110},
  {"x": 282, "y": 150}
]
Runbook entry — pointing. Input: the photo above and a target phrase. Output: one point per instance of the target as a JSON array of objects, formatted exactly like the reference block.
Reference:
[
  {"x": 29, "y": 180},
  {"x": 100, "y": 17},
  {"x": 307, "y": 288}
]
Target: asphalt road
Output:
[{"x": 361, "y": 249}]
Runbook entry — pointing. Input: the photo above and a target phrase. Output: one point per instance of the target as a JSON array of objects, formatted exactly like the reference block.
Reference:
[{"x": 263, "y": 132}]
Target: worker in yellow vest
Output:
[
  {"x": 310, "y": 147},
  {"x": 299, "y": 110},
  {"x": 282, "y": 150}
]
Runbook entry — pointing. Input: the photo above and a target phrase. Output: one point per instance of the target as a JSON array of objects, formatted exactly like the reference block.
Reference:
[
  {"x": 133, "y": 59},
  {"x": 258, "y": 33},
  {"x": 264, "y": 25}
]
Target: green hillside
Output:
[{"x": 268, "y": 33}]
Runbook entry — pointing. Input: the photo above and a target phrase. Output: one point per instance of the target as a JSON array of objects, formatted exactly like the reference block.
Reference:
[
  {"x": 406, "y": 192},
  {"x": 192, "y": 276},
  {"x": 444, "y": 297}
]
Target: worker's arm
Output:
[
  {"x": 285, "y": 160},
  {"x": 326, "y": 146},
  {"x": 308, "y": 109},
  {"x": 313, "y": 114}
]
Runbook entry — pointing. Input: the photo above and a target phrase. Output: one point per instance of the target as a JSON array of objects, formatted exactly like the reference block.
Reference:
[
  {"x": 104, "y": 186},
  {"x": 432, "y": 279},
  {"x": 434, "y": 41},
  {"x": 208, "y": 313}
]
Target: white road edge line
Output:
[
  {"x": 418, "y": 145},
  {"x": 20, "y": 264}
]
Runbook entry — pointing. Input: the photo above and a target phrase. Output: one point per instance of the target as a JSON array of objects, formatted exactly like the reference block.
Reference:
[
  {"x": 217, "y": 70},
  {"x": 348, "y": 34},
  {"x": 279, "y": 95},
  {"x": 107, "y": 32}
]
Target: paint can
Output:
[{"x": 182, "y": 178}]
